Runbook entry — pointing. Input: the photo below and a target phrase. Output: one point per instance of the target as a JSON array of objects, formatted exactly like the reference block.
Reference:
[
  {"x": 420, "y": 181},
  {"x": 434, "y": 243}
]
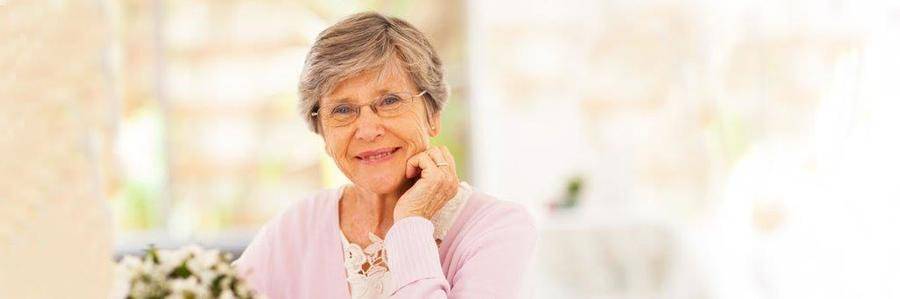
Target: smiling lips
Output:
[{"x": 377, "y": 156}]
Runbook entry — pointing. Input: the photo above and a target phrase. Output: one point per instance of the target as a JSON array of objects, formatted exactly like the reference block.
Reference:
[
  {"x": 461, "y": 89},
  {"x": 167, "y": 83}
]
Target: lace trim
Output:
[
  {"x": 445, "y": 217},
  {"x": 375, "y": 280},
  {"x": 372, "y": 280}
]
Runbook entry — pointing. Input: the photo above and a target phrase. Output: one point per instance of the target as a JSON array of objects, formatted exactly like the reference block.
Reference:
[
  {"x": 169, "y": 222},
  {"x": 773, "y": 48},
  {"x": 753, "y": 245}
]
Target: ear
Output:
[{"x": 435, "y": 125}]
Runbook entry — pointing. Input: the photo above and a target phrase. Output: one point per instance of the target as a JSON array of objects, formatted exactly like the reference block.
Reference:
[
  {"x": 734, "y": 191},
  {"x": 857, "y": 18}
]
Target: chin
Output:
[{"x": 380, "y": 184}]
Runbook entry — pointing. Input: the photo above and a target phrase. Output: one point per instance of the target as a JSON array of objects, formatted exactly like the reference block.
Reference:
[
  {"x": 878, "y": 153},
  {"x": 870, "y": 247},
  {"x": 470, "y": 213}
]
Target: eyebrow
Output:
[{"x": 381, "y": 92}]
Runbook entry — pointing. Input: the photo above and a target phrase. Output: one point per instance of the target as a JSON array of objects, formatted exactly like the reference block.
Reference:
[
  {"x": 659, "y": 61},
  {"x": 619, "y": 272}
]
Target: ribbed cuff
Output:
[{"x": 411, "y": 251}]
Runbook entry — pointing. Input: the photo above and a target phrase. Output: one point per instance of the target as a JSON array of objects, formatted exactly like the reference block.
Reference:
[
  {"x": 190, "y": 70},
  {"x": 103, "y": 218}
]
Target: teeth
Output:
[{"x": 378, "y": 156}]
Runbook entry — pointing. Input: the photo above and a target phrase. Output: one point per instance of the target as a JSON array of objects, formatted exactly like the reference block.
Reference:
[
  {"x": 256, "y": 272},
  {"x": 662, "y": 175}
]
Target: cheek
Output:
[
  {"x": 414, "y": 134},
  {"x": 336, "y": 146}
]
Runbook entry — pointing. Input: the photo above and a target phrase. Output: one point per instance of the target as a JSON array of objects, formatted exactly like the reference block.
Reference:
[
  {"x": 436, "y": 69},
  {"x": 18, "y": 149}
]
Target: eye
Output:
[
  {"x": 390, "y": 101},
  {"x": 342, "y": 110}
]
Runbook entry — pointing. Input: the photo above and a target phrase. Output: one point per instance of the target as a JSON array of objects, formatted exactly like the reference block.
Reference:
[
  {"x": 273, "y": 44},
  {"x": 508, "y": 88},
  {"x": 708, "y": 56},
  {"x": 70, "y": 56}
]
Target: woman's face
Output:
[{"x": 372, "y": 151}]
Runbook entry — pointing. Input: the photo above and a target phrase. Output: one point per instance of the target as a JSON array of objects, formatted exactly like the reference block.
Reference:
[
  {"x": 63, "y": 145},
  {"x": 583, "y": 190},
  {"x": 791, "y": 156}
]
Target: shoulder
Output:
[
  {"x": 279, "y": 238},
  {"x": 307, "y": 213},
  {"x": 486, "y": 210},
  {"x": 486, "y": 218},
  {"x": 490, "y": 232}
]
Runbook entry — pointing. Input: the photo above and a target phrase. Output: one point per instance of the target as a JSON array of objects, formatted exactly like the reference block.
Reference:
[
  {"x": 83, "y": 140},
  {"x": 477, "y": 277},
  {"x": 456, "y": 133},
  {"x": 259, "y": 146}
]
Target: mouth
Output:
[{"x": 377, "y": 156}]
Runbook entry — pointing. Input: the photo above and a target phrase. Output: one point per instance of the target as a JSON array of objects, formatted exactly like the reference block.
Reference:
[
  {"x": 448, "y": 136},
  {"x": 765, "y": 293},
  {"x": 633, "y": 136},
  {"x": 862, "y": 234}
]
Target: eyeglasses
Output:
[{"x": 385, "y": 106}]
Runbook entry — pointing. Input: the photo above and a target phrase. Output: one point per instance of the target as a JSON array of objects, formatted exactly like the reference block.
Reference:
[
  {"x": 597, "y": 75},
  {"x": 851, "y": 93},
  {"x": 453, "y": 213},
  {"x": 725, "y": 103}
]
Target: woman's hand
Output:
[{"x": 436, "y": 185}]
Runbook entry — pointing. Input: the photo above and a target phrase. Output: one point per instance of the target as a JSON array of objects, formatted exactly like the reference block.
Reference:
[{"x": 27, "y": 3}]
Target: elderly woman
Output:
[{"x": 406, "y": 227}]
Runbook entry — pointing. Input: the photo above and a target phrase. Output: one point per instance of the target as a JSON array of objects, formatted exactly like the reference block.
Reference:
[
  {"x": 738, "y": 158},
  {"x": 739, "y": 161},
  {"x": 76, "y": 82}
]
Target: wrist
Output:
[{"x": 401, "y": 215}]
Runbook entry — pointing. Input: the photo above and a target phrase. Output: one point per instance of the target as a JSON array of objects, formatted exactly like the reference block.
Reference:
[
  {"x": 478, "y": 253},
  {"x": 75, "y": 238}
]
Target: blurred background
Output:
[{"x": 668, "y": 149}]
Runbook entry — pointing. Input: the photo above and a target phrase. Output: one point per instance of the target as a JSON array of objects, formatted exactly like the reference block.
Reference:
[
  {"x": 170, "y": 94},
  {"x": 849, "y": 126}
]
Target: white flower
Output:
[
  {"x": 171, "y": 259},
  {"x": 227, "y": 294},
  {"x": 130, "y": 262},
  {"x": 209, "y": 258},
  {"x": 142, "y": 278},
  {"x": 226, "y": 269},
  {"x": 190, "y": 285},
  {"x": 207, "y": 276},
  {"x": 242, "y": 290},
  {"x": 143, "y": 289},
  {"x": 195, "y": 266},
  {"x": 152, "y": 270},
  {"x": 193, "y": 250}
]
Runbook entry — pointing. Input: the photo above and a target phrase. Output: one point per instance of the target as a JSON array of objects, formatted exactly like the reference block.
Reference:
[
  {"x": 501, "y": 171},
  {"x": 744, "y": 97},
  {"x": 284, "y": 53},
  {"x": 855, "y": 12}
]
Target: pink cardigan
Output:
[{"x": 485, "y": 254}]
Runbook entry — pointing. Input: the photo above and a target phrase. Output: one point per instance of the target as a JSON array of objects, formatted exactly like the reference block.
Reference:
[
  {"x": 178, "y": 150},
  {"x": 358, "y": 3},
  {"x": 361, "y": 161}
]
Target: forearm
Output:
[
  {"x": 494, "y": 261},
  {"x": 413, "y": 259}
]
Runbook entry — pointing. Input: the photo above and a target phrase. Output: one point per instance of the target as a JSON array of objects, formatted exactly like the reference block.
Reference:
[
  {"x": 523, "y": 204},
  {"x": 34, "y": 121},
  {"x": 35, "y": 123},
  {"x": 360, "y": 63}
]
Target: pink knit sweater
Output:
[{"x": 485, "y": 254}]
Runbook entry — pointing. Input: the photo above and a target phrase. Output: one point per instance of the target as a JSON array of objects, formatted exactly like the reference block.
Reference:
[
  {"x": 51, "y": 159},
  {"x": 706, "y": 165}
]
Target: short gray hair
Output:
[{"x": 367, "y": 41}]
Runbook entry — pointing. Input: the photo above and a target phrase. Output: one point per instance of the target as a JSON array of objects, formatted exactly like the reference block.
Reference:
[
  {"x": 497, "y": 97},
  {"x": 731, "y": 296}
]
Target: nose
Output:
[{"x": 368, "y": 125}]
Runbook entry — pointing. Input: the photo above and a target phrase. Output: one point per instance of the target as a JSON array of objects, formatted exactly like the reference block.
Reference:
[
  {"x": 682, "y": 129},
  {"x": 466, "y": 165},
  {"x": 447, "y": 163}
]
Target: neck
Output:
[{"x": 379, "y": 206}]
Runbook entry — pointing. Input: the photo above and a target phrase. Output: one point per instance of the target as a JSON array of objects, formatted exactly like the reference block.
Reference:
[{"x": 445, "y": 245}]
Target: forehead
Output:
[{"x": 377, "y": 81}]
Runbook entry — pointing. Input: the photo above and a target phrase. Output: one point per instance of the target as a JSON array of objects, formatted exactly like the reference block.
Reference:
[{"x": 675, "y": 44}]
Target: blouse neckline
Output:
[{"x": 371, "y": 282}]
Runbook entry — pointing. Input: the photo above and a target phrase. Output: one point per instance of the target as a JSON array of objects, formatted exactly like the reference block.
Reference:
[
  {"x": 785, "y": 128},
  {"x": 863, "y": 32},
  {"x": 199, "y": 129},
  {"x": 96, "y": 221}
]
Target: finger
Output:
[
  {"x": 449, "y": 159},
  {"x": 443, "y": 154},
  {"x": 419, "y": 161},
  {"x": 427, "y": 164},
  {"x": 439, "y": 160},
  {"x": 411, "y": 168}
]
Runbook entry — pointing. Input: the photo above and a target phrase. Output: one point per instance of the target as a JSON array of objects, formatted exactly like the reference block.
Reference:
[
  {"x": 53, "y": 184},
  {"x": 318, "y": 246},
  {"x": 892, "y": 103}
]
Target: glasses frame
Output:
[{"x": 358, "y": 108}]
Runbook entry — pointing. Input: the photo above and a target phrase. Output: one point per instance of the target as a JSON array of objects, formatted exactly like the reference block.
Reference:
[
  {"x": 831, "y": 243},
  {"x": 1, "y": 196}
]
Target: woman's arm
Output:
[
  {"x": 494, "y": 262},
  {"x": 253, "y": 262}
]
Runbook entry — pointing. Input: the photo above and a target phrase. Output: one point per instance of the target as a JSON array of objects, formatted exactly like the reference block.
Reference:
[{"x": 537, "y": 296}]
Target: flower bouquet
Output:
[{"x": 189, "y": 272}]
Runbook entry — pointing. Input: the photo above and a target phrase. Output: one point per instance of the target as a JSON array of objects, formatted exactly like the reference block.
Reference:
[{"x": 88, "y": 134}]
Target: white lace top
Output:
[{"x": 375, "y": 281}]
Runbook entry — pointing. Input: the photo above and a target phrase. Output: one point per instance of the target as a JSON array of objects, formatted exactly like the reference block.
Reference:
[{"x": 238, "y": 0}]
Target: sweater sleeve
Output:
[
  {"x": 254, "y": 261},
  {"x": 495, "y": 260}
]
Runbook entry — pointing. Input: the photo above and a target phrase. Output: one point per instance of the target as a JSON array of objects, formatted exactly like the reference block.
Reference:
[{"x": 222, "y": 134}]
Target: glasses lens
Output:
[
  {"x": 392, "y": 104},
  {"x": 340, "y": 115}
]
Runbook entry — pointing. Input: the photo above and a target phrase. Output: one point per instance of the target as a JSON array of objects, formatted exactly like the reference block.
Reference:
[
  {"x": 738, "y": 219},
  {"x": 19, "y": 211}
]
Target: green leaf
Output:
[{"x": 181, "y": 271}]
